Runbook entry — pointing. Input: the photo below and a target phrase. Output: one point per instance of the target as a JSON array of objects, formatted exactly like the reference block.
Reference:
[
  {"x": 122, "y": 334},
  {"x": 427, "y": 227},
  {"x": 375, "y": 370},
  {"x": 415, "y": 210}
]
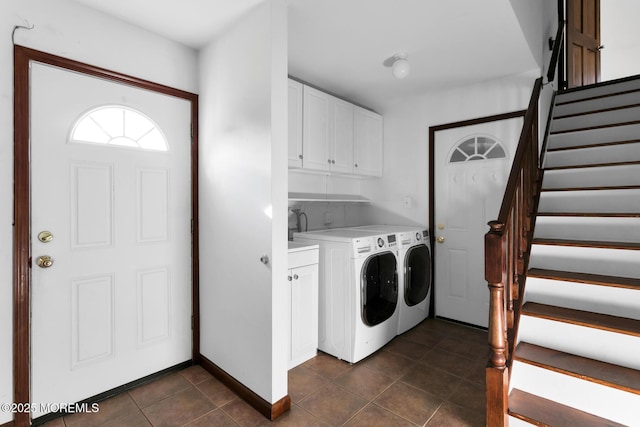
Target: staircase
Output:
[{"x": 577, "y": 360}]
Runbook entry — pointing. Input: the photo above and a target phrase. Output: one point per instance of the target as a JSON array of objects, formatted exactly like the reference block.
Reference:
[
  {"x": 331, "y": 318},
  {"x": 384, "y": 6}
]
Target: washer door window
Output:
[
  {"x": 379, "y": 288},
  {"x": 417, "y": 275}
]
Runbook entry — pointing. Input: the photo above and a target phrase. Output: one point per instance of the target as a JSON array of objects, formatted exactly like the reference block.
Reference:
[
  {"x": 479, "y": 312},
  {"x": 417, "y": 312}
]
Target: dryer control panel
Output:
[{"x": 366, "y": 245}]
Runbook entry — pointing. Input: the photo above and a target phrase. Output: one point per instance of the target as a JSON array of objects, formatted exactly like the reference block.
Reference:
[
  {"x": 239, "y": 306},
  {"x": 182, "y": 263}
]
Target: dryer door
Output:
[
  {"x": 379, "y": 288},
  {"x": 417, "y": 279}
]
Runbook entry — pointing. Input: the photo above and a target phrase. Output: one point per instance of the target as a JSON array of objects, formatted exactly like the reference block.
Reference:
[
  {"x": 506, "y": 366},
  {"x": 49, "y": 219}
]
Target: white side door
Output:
[
  {"x": 471, "y": 168},
  {"x": 114, "y": 305}
]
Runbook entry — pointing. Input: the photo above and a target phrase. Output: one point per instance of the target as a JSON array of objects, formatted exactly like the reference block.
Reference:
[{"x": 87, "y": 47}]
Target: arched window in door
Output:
[
  {"x": 120, "y": 126},
  {"x": 477, "y": 148}
]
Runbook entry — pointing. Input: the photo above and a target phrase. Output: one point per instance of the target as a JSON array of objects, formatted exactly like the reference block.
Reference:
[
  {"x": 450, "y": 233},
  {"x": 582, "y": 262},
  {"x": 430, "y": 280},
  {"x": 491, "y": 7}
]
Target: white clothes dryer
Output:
[
  {"x": 358, "y": 291},
  {"x": 414, "y": 256}
]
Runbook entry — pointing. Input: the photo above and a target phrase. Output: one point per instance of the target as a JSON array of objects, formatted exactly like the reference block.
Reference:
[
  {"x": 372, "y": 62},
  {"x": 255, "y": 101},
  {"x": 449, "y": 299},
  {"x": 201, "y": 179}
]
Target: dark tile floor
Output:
[{"x": 433, "y": 375}]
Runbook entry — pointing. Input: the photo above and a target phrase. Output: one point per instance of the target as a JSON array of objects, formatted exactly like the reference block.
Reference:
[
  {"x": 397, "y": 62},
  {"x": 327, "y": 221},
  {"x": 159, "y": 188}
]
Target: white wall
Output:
[
  {"x": 620, "y": 35},
  {"x": 407, "y": 122},
  {"x": 64, "y": 28},
  {"x": 243, "y": 167},
  {"x": 406, "y": 142}
]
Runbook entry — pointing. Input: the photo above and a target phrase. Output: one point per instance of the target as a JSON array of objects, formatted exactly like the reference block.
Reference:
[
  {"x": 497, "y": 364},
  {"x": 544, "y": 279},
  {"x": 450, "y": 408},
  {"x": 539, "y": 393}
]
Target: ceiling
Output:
[{"x": 341, "y": 45}]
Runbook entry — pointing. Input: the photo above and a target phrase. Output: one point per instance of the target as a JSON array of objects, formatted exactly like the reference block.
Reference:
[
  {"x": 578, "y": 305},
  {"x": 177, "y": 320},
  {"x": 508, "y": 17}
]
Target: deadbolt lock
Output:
[
  {"x": 45, "y": 236},
  {"x": 44, "y": 261}
]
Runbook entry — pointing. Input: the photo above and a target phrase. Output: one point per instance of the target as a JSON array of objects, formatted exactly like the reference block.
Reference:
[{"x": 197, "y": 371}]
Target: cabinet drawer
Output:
[{"x": 299, "y": 258}]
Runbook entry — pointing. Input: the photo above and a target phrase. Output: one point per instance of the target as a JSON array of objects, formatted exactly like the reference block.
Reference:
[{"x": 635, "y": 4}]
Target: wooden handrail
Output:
[
  {"x": 529, "y": 117},
  {"x": 507, "y": 246},
  {"x": 555, "y": 54}
]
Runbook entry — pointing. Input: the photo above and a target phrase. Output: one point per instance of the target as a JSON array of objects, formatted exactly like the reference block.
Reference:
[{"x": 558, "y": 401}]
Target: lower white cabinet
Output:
[{"x": 302, "y": 286}]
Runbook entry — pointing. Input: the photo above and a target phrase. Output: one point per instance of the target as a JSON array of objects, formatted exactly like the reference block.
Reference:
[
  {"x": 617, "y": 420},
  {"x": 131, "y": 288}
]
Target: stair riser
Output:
[
  {"x": 608, "y": 262},
  {"x": 605, "y": 229},
  {"x": 614, "y": 301},
  {"x": 594, "y": 155},
  {"x": 600, "y": 201},
  {"x": 592, "y": 177},
  {"x": 605, "y": 402},
  {"x": 594, "y": 136},
  {"x": 606, "y": 118},
  {"x": 598, "y": 344},
  {"x": 590, "y": 105},
  {"x": 598, "y": 91}
]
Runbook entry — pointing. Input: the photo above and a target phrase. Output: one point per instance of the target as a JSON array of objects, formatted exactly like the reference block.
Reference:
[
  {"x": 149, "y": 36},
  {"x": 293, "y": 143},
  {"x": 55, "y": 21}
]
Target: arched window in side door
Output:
[
  {"x": 118, "y": 126},
  {"x": 477, "y": 147}
]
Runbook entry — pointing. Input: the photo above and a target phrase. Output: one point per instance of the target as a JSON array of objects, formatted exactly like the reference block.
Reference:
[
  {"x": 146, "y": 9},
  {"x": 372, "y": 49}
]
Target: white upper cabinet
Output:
[
  {"x": 368, "y": 142},
  {"x": 341, "y": 141},
  {"x": 327, "y": 128},
  {"x": 316, "y": 129},
  {"x": 295, "y": 124},
  {"x": 331, "y": 135}
]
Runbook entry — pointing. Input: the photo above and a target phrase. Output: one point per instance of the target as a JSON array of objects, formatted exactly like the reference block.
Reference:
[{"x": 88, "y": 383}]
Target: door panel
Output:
[
  {"x": 469, "y": 185},
  {"x": 583, "y": 42},
  {"x": 115, "y": 305}
]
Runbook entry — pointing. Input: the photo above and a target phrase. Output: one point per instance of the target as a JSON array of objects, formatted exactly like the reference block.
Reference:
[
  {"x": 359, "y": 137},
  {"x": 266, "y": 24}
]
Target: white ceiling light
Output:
[{"x": 400, "y": 67}]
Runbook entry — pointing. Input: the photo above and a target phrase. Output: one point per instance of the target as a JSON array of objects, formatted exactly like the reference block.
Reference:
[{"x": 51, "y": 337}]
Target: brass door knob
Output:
[
  {"x": 440, "y": 239},
  {"x": 44, "y": 261}
]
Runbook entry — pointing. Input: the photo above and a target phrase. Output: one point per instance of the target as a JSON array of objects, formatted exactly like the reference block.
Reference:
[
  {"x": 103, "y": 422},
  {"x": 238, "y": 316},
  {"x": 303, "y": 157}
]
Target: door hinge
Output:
[
  {"x": 193, "y": 323},
  {"x": 191, "y": 132}
]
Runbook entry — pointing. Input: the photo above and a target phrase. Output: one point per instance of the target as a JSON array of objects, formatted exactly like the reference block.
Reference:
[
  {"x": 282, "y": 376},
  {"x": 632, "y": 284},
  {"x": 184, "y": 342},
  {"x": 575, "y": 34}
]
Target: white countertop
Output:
[{"x": 300, "y": 246}]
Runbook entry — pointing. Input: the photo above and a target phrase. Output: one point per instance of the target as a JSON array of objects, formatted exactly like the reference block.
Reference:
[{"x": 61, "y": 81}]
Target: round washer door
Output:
[
  {"x": 379, "y": 288},
  {"x": 417, "y": 279}
]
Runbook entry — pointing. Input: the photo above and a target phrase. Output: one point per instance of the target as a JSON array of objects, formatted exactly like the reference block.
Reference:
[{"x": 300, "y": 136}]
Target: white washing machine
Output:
[
  {"x": 358, "y": 290},
  {"x": 414, "y": 256}
]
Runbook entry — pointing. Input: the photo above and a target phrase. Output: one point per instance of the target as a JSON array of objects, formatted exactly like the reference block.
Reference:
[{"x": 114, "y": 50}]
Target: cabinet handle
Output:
[
  {"x": 289, "y": 278},
  {"x": 300, "y": 156},
  {"x": 356, "y": 165},
  {"x": 295, "y": 277},
  {"x": 333, "y": 162},
  {"x": 329, "y": 161}
]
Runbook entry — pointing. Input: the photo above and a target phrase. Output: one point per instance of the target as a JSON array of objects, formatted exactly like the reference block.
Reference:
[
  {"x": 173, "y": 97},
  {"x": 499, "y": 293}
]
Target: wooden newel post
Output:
[{"x": 497, "y": 373}]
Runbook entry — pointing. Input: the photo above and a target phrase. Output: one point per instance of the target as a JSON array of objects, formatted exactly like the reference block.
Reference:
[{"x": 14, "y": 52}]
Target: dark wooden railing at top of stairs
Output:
[{"x": 507, "y": 248}]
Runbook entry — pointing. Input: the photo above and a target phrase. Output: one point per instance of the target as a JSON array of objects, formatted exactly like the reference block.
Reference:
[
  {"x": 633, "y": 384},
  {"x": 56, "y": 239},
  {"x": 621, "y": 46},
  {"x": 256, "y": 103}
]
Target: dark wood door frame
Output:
[
  {"x": 432, "y": 177},
  {"x": 22, "y": 207}
]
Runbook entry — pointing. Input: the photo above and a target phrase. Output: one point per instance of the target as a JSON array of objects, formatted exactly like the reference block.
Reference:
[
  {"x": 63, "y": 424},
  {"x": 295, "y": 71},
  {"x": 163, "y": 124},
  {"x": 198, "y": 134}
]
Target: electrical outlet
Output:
[{"x": 328, "y": 217}]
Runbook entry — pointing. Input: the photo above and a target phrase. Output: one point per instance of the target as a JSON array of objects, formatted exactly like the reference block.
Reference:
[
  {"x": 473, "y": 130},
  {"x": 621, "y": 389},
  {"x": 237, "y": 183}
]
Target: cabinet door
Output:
[
  {"x": 368, "y": 142},
  {"x": 304, "y": 314},
  {"x": 316, "y": 129},
  {"x": 295, "y": 124},
  {"x": 341, "y": 141}
]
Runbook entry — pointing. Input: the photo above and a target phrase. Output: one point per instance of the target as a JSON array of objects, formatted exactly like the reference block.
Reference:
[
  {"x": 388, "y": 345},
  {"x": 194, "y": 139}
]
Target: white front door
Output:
[
  {"x": 110, "y": 177},
  {"x": 471, "y": 170}
]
